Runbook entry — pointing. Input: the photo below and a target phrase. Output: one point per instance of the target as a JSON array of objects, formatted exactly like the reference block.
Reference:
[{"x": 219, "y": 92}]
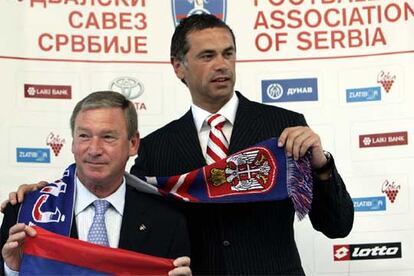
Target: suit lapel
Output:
[
  {"x": 186, "y": 141},
  {"x": 245, "y": 129},
  {"x": 133, "y": 221},
  {"x": 74, "y": 229}
]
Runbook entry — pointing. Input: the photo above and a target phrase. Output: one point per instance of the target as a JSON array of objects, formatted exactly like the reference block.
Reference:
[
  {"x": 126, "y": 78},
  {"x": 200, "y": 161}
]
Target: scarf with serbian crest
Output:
[{"x": 259, "y": 173}]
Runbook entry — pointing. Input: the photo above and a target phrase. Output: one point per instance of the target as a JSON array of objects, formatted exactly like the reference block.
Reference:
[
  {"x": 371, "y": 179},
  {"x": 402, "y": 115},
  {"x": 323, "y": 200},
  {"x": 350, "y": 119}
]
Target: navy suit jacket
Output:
[
  {"x": 250, "y": 238},
  {"x": 165, "y": 233}
]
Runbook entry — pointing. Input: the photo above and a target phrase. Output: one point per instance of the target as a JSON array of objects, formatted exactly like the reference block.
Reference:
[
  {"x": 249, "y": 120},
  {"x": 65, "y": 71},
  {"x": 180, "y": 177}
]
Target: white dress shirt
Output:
[
  {"x": 203, "y": 129},
  {"x": 84, "y": 213}
]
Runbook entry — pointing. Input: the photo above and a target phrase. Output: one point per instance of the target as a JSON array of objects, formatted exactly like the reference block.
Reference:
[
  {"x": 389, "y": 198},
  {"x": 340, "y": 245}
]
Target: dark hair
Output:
[
  {"x": 108, "y": 99},
  {"x": 194, "y": 22}
]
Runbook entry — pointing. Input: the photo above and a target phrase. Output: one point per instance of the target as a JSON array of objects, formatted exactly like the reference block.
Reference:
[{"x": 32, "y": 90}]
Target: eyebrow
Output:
[{"x": 209, "y": 51}]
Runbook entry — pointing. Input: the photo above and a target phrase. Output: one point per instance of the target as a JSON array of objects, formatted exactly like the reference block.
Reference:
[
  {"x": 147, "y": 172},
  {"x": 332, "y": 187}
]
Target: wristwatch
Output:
[{"x": 328, "y": 165}]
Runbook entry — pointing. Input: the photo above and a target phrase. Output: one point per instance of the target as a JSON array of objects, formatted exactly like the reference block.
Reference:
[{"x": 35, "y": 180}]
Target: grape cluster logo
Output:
[
  {"x": 386, "y": 79},
  {"x": 55, "y": 143},
  {"x": 391, "y": 190}
]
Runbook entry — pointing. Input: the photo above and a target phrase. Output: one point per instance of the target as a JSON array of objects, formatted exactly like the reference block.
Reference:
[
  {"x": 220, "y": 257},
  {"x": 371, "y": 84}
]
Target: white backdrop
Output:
[{"x": 346, "y": 65}]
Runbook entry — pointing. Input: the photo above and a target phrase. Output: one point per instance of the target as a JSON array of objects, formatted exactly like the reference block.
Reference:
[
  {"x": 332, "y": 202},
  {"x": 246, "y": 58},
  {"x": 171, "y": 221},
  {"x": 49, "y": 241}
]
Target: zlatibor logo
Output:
[
  {"x": 390, "y": 189},
  {"x": 386, "y": 80},
  {"x": 383, "y": 139},
  {"x": 47, "y": 91},
  {"x": 353, "y": 252},
  {"x": 55, "y": 143}
]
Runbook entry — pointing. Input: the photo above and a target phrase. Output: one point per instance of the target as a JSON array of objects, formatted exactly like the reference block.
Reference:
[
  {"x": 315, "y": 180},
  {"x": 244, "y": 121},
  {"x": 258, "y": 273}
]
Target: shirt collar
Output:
[
  {"x": 228, "y": 111},
  {"x": 84, "y": 197}
]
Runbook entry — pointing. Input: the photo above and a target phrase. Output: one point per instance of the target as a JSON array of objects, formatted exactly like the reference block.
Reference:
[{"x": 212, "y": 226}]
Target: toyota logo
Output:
[{"x": 131, "y": 88}]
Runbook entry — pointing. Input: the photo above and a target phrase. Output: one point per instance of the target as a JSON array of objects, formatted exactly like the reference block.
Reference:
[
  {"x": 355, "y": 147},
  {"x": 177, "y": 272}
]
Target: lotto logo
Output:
[
  {"x": 341, "y": 253},
  {"x": 354, "y": 252}
]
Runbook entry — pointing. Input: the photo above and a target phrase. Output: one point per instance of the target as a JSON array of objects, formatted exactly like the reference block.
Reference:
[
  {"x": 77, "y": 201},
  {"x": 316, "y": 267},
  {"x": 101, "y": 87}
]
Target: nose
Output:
[
  {"x": 95, "y": 147},
  {"x": 221, "y": 63}
]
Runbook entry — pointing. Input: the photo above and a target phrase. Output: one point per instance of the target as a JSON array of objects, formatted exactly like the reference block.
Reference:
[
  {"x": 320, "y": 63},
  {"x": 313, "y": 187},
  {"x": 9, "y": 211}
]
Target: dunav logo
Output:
[
  {"x": 184, "y": 8},
  {"x": 290, "y": 90}
]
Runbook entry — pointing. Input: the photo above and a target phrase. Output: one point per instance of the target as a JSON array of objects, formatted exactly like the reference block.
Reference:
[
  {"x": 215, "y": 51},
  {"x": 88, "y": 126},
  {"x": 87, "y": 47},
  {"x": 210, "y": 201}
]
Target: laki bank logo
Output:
[
  {"x": 55, "y": 142},
  {"x": 386, "y": 79},
  {"x": 47, "y": 91},
  {"x": 383, "y": 139},
  {"x": 367, "y": 251},
  {"x": 184, "y": 8},
  {"x": 390, "y": 189}
]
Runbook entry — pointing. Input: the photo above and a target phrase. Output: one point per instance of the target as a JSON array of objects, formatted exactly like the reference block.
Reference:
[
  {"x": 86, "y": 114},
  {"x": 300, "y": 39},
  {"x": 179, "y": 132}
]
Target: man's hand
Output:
[
  {"x": 297, "y": 140},
  {"x": 12, "y": 249},
  {"x": 182, "y": 267},
  {"x": 17, "y": 197}
]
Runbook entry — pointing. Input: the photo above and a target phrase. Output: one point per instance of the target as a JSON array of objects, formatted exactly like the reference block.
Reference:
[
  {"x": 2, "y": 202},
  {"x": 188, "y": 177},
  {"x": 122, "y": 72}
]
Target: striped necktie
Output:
[{"x": 217, "y": 145}]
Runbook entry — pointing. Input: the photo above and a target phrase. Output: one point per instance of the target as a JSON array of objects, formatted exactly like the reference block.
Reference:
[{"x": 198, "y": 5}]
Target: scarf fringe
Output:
[{"x": 300, "y": 184}]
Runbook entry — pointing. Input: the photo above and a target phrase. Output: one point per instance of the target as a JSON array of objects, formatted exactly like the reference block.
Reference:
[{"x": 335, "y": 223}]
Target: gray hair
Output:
[{"x": 108, "y": 99}]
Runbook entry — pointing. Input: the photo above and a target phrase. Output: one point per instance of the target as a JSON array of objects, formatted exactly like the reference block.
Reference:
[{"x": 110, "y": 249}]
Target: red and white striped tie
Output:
[{"x": 217, "y": 144}]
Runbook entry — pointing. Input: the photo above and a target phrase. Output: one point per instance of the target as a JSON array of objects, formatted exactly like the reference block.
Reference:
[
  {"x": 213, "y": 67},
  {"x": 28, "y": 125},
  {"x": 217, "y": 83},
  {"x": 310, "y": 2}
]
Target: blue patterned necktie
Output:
[{"x": 97, "y": 232}]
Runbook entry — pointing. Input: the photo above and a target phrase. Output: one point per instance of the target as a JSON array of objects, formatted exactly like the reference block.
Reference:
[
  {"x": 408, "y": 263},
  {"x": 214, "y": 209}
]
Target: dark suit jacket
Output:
[
  {"x": 165, "y": 234},
  {"x": 250, "y": 238}
]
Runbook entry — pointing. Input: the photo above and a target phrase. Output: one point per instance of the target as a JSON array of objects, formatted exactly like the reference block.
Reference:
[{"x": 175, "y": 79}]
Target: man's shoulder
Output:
[
  {"x": 156, "y": 204},
  {"x": 169, "y": 129},
  {"x": 246, "y": 104}
]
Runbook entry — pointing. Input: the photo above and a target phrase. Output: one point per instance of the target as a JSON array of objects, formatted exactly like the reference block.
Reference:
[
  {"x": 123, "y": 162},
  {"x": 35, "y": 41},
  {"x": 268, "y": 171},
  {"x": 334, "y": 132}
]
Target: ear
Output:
[
  {"x": 178, "y": 67},
  {"x": 134, "y": 144},
  {"x": 73, "y": 145}
]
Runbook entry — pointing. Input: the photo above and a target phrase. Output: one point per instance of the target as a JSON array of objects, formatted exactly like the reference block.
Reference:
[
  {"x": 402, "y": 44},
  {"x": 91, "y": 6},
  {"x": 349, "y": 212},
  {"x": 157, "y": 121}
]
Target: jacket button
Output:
[{"x": 226, "y": 243}]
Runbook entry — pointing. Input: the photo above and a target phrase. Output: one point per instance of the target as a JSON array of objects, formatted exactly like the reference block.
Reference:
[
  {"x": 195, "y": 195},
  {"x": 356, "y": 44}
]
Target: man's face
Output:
[
  {"x": 101, "y": 148},
  {"x": 209, "y": 67}
]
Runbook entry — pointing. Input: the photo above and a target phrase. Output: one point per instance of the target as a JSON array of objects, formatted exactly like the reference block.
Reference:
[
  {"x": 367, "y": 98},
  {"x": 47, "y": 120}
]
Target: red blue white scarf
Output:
[
  {"x": 52, "y": 254},
  {"x": 259, "y": 173}
]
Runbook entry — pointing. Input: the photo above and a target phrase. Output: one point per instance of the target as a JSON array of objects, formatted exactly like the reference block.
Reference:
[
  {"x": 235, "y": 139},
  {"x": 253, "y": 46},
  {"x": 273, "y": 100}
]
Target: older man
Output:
[{"x": 104, "y": 130}]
